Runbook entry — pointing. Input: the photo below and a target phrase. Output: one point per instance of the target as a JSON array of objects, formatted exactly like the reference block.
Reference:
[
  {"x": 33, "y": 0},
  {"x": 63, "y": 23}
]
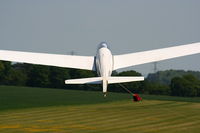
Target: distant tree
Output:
[
  {"x": 129, "y": 73},
  {"x": 5, "y": 68},
  {"x": 156, "y": 88},
  {"x": 2, "y": 68},
  {"x": 58, "y": 76},
  {"x": 15, "y": 77},
  {"x": 114, "y": 73},
  {"x": 165, "y": 77},
  {"x": 188, "y": 85},
  {"x": 38, "y": 76},
  {"x": 9, "y": 75},
  {"x": 78, "y": 73}
]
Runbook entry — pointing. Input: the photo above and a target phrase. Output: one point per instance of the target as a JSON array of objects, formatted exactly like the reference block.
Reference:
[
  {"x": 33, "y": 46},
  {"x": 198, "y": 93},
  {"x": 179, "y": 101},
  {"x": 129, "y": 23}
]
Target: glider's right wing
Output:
[
  {"x": 126, "y": 60},
  {"x": 68, "y": 61}
]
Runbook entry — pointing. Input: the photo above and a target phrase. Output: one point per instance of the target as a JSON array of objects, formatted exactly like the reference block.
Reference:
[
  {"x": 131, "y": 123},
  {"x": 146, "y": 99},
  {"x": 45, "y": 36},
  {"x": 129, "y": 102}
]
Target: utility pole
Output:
[
  {"x": 155, "y": 67},
  {"x": 72, "y": 52}
]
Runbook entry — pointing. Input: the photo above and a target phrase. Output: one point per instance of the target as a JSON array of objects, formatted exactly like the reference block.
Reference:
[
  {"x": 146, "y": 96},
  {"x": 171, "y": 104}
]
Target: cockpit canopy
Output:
[{"x": 102, "y": 45}]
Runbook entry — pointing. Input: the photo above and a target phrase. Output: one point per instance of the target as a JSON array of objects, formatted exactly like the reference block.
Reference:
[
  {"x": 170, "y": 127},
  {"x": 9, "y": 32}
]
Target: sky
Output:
[{"x": 63, "y": 26}]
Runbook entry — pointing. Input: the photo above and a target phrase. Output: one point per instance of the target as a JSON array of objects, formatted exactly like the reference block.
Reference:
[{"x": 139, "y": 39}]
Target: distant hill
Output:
[{"x": 164, "y": 77}]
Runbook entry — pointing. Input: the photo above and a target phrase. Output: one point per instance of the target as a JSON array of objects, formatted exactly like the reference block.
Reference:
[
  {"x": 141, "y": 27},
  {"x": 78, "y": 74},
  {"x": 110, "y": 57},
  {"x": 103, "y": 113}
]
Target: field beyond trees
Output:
[{"x": 42, "y": 110}]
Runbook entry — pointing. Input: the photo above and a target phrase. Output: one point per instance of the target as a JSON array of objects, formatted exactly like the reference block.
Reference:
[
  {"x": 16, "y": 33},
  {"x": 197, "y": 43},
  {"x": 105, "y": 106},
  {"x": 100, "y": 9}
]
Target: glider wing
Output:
[
  {"x": 68, "y": 61},
  {"x": 132, "y": 59}
]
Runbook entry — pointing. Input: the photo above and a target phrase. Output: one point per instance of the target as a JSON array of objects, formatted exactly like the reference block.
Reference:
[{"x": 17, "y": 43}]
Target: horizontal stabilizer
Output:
[
  {"x": 98, "y": 80},
  {"x": 112, "y": 80},
  {"x": 94, "y": 80}
]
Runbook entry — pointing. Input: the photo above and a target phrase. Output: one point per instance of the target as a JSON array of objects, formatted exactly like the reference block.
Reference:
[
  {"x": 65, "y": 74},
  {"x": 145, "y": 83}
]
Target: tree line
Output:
[{"x": 160, "y": 83}]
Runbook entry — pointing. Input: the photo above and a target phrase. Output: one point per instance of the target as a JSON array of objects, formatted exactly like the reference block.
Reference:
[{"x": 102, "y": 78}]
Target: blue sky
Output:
[{"x": 62, "y": 26}]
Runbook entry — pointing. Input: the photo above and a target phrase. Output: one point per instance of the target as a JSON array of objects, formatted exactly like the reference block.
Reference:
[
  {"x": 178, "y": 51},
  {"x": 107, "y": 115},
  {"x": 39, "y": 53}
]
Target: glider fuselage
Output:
[{"x": 104, "y": 64}]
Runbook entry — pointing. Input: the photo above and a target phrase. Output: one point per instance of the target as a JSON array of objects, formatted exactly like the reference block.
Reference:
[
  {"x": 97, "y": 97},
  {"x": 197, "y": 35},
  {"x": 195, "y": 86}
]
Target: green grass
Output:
[
  {"x": 27, "y": 97},
  {"x": 39, "y": 110}
]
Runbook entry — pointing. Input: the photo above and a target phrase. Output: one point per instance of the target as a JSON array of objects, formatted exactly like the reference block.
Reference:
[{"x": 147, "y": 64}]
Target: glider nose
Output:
[{"x": 102, "y": 45}]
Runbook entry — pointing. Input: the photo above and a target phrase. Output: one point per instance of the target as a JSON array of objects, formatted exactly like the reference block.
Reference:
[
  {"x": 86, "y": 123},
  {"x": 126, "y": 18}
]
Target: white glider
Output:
[{"x": 103, "y": 63}]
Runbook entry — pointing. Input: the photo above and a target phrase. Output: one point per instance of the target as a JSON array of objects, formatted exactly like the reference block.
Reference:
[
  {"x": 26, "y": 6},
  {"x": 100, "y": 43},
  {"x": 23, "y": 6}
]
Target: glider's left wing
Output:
[
  {"x": 126, "y": 60},
  {"x": 68, "y": 61}
]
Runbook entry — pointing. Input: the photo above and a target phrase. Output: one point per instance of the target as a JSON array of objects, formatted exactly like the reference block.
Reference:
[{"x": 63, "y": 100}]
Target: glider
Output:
[{"x": 103, "y": 63}]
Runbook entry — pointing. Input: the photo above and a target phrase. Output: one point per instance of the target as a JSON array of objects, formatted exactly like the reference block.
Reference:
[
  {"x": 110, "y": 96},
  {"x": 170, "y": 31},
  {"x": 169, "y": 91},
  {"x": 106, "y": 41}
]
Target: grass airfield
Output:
[{"x": 39, "y": 110}]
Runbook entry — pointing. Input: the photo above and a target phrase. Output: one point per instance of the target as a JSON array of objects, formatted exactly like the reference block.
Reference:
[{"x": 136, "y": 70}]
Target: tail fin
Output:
[
  {"x": 112, "y": 80},
  {"x": 94, "y": 80}
]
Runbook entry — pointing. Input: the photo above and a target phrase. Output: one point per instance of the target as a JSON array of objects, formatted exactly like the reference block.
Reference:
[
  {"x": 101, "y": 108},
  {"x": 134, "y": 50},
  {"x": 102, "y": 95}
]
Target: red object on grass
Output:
[{"x": 136, "y": 97}]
